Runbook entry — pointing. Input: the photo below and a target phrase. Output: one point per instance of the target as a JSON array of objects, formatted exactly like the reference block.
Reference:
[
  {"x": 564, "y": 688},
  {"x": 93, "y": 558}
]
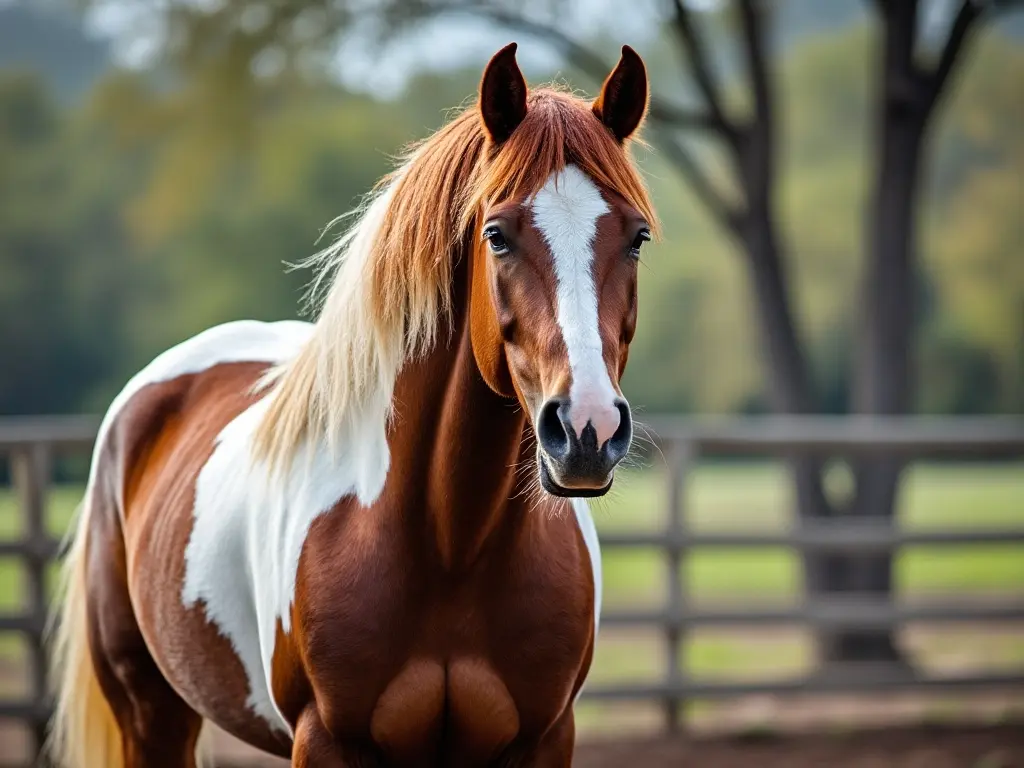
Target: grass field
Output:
[{"x": 757, "y": 496}]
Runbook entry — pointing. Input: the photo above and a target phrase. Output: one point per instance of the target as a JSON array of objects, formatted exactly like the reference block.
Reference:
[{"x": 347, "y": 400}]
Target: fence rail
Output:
[{"x": 33, "y": 444}]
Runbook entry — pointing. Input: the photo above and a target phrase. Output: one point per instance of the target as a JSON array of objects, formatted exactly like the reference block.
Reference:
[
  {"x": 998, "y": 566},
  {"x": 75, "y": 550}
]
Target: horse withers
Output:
[{"x": 363, "y": 541}]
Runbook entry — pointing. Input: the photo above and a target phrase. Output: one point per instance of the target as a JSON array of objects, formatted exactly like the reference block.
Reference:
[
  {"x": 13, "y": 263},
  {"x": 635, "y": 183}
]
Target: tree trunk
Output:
[
  {"x": 789, "y": 379},
  {"x": 883, "y": 372},
  {"x": 791, "y": 393},
  {"x": 883, "y": 381}
]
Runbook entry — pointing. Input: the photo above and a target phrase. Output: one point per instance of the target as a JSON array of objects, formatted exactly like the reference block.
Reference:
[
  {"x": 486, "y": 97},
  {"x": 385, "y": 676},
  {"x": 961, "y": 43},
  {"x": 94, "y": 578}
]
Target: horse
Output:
[{"x": 364, "y": 541}]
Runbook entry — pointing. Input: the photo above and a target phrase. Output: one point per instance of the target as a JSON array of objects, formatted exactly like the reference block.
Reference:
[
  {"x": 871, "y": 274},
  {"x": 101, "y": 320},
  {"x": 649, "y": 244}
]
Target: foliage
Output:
[{"x": 138, "y": 216}]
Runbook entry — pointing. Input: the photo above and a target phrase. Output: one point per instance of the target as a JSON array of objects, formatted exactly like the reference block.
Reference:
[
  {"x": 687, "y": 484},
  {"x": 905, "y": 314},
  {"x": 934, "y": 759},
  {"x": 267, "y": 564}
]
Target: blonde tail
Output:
[{"x": 83, "y": 732}]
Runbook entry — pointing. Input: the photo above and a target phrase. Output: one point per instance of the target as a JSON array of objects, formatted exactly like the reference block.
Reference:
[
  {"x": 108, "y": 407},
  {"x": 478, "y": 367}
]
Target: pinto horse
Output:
[{"x": 315, "y": 536}]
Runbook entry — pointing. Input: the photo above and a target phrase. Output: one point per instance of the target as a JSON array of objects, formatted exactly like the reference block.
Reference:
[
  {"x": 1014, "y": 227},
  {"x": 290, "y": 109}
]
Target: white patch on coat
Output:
[
  {"x": 566, "y": 210},
  {"x": 249, "y": 523},
  {"x": 242, "y": 557},
  {"x": 237, "y": 342},
  {"x": 586, "y": 522}
]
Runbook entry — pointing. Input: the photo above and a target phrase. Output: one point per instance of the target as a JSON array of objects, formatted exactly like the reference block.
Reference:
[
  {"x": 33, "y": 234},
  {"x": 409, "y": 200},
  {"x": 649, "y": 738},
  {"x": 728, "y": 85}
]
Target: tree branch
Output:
[
  {"x": 581, "y": 56},
  {"x": 965, "y": 17},
  {"x": 694, "y": 47},
  {"x": 726, "y": 215},
  {"x": 753, "y": 24},
  {"x": 673, "y": 116},
  {"x": 592, "y": 65}
]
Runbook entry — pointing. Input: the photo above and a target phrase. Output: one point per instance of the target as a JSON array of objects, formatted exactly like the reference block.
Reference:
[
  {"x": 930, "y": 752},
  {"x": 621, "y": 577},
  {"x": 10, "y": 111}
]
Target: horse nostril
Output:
[
  {"x": 550, "y": 430},
  {"x": 618, "y": 444}
]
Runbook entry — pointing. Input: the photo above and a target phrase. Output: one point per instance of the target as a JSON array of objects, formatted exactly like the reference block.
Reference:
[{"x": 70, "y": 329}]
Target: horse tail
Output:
[{"x": 83, "y": 731}]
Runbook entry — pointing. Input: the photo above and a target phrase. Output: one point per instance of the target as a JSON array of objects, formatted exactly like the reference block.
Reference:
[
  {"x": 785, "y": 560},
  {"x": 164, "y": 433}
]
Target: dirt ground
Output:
[
  {"x": 909, "y": 747},
  {"x": 758, "y": 732},
  {"x": 990, "y": 747}
]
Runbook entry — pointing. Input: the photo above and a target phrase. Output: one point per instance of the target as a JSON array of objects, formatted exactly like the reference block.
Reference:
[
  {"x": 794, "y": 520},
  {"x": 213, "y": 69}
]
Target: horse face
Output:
[
  {"x": 553, "y": 300},
  {"x": 561, "y": 271}
]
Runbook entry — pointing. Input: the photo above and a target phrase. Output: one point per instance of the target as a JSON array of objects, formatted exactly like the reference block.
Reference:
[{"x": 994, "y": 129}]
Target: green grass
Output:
[
  {"x": 756, "y": 497},
  {"x": 751, "y": 497}
]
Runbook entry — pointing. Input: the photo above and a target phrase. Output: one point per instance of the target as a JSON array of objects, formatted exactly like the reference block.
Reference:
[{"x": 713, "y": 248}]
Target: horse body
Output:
[
  {"x": 315, "y": 536},
  {"x": 404, "y": 622}
]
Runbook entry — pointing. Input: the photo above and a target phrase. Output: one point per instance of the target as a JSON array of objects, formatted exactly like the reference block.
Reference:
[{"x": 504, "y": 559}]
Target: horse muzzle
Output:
[{"x": 581, "y": 464}]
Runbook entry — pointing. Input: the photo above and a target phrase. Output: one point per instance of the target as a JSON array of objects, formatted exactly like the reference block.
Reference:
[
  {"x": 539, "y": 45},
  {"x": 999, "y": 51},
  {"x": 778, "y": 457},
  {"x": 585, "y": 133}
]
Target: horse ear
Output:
[
  {"x": 502, "y": 95},
  {"x": 623, "y": 100}
]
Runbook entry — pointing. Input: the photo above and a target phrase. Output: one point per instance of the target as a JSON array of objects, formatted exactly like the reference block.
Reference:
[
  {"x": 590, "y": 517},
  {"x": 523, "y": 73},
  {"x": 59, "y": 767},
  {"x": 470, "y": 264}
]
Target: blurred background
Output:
[{"x": 841, "y": 184}]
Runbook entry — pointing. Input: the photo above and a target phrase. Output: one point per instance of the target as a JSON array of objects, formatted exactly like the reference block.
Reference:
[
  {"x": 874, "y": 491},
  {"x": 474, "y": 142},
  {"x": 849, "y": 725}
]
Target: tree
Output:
[
  {"x": 231, "y": 40},
  {"x": 908, "y": 90}
]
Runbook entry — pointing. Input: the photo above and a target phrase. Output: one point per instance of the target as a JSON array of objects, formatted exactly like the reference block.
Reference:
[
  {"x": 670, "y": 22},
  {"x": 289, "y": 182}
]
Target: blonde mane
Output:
[{"x": 385, "y": 285}]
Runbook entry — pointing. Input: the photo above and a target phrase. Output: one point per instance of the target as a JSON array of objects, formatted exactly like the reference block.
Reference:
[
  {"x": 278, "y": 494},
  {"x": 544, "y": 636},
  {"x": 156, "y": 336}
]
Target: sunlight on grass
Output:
[
  {"x": 730, "y": 574},
  {"x": 748, "y": 497},
  {"x": 988, "y": 568},
  {"x": 636, "y": 655},
  {"x": 773, "y": 654},
  {"x": 755, "y": 496},
  {"x": 961, "y": 496}
]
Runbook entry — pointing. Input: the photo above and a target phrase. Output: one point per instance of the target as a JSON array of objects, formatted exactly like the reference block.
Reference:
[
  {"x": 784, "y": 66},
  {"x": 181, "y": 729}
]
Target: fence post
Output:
[
  {"x": 679, "y": 456},
  {"x": 31, "y": 475}
]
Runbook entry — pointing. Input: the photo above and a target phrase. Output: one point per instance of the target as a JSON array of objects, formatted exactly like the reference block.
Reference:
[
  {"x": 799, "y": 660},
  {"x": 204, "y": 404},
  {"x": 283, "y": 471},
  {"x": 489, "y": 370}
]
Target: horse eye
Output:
[
  {"x": 496, "y": 241},
  {"x": 641, "y": 237}
]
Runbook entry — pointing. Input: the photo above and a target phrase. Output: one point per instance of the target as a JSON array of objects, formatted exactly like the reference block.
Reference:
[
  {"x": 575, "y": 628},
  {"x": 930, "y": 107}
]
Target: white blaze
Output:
[{"x": 566, "y": 210}]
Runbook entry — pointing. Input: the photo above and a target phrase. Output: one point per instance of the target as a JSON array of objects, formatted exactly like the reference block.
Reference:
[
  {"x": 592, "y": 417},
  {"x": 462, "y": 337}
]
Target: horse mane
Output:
[{"x": 383, "y": 289}]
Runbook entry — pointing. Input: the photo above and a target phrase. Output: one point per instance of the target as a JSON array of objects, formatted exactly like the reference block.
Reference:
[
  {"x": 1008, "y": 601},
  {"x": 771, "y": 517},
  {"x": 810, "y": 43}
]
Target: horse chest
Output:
[
  {"x": 461, "y": 670},
  {"x": 461, "y": 709}
]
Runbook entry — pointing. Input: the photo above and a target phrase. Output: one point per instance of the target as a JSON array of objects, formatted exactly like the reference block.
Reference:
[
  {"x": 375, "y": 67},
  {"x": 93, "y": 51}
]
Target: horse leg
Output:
[
  {"x": 555, "y": 749},
  {"x": 314, "y": 747},
  {"x": 158, "y": 729}
]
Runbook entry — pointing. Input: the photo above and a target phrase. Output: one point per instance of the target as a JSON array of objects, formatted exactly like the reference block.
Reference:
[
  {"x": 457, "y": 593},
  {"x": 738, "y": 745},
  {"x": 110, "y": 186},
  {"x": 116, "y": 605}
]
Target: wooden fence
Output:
[
  {"x": 684, "y": 441},
  {"x": 33, "y": 444}
]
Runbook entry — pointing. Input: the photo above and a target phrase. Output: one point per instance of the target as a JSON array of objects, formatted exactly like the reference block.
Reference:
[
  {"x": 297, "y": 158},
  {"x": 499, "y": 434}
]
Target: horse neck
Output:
[{"x": 455, "y": 444}]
